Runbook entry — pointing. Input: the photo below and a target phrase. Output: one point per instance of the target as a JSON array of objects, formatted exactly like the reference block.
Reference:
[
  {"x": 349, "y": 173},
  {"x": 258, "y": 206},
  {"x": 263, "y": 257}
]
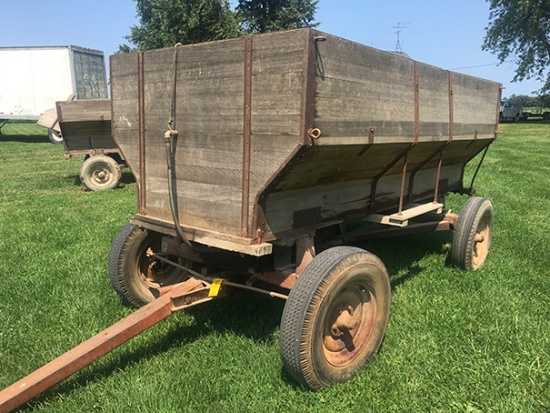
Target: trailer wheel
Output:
[
  {"x": 132, "y": 272},
  {"x": 55, "y": 136},
  {"x": 335, "y": 317},
  {"x": 100, "y": 172},
  {"x": 472, "y": 234}
]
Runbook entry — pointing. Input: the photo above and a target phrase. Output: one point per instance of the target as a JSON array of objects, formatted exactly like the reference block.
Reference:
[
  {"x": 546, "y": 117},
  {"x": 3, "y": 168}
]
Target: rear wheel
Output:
[
  {"x": 335, "y": 317},
  {"x": 100, "y": 172},
  {"x": 472, "y": 234},
  {"x": 55, "y": 136},
  {"x": 132, "y": 272}
]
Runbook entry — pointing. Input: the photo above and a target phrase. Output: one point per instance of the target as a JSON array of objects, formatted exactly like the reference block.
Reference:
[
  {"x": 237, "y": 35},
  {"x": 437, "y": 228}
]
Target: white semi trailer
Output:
[{"x": 32, "y": 79}]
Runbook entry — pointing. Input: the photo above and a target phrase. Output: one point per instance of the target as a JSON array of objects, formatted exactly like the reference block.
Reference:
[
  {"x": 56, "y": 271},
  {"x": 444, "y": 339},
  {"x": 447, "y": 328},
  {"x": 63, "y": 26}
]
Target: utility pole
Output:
[{"x": 399, "y": 28}]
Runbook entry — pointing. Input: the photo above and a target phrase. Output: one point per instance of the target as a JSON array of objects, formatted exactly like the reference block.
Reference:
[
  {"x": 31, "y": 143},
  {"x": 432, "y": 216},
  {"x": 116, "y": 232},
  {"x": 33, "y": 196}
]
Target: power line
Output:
[{"x": 485, "y": 65}]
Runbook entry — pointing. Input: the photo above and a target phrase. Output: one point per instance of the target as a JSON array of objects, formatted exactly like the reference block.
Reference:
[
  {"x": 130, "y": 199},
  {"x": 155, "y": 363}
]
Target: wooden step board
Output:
[{"x": 401, "y": 219}]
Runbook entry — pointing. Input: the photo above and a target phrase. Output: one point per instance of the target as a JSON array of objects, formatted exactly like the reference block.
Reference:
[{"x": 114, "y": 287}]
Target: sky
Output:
[{"x": 443, "y": 33}]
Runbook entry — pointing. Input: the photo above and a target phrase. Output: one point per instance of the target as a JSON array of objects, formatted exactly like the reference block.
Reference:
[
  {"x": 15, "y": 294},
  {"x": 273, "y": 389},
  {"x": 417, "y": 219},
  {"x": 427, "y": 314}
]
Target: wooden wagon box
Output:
[
  {"x": 86, "y": 126},
  {"x": 284, "y": 133}
]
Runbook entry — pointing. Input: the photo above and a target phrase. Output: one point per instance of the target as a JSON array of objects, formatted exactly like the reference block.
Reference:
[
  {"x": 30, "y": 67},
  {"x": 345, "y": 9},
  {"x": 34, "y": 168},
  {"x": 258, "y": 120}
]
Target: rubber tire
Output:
[
  {"x": 318, "y": 293},
  {"x": 132, "y": 273},
  {"x": 100, "y": 172},
  {"x": 55, "y": 137},
  {"x": 475, "y": 218}
]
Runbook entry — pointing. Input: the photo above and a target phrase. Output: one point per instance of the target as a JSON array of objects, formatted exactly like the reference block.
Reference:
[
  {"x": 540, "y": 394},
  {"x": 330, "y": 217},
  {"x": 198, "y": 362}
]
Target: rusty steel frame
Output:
[
  {"x": 374, "y": 183},
  {"x": 180, "y": 296},
  {"x": 247, "y": 136},
  {"x": 426, "y": 223},
  {"x": 141, "y": 112}
]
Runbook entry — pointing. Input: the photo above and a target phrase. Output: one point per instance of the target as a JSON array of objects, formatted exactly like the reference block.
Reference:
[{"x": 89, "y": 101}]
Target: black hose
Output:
[{"x": 171, "y": 139}]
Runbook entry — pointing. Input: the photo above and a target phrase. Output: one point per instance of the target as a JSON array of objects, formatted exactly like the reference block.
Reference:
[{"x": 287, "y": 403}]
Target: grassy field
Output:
[{"x": 456, "y": 341}]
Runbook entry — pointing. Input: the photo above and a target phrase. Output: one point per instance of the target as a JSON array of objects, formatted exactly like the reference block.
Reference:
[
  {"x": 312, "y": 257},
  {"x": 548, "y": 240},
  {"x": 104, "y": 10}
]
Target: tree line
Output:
[
  {"x": 163, "y": 23},
  {"x": 542, "y": 101},
  {"x": 517, "y": 29}
]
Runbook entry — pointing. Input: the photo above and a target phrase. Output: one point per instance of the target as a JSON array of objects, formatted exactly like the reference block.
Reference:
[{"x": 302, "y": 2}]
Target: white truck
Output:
[
  {"x": 32, "y": 79},
  {"x": 512, "y": 112}
]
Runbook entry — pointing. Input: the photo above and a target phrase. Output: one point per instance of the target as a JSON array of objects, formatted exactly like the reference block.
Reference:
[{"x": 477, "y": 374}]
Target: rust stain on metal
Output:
[
  {"x": 422, "y": 165},
  {"x": 141, "y": 103},
  {"x": 247, "y": 136},
  {"x": 451, "y": 108},
  {"x": 277, "y": 278},
  {"x": 403, "y": 179},
  {"x": 438, "y": 177},
  {"x": 383, "y": 172},
  {"x": 308, "y": 96},
  {"x": 305, "y": 252},
  {"x": 416, "y": 103},
  {"x": 371, "y": 135}
]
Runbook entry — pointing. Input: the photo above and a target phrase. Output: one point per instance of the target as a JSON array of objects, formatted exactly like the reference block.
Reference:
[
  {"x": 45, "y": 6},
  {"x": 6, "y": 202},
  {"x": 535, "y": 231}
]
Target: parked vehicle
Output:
[
  {"x": 85, "y": 126},
  {"x": 253, "y": 155},
  {"x": 37, "y": 77},
  {"x": 512, "y": 112}
]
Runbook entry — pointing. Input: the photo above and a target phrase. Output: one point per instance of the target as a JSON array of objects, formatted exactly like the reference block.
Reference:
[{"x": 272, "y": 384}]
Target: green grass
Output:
[{"x": 456, "y": 341}]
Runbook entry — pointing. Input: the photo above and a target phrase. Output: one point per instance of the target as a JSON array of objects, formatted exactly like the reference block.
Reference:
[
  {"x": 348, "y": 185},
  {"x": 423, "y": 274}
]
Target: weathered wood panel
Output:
[
  {"x": 240, "y": 110},
  {"x": 125, "y": 108},
  {"x": 474, "y": 106},
  {"x": 359, "y": 87},
  {"x": 86, "y": 125}
]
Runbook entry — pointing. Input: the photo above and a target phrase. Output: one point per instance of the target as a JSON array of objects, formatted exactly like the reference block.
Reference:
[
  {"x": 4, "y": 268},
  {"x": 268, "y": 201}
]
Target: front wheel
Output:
[
  {"x": 132, "y": 272},
  {"x": 335, "y": 317}
]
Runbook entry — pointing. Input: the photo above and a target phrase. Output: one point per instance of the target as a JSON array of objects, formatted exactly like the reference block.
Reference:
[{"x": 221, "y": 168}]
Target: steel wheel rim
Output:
[
  {"x": 349, "y": 324},
  {"x": 154, "y": 273},
  {"x": 101, "y": 175}
]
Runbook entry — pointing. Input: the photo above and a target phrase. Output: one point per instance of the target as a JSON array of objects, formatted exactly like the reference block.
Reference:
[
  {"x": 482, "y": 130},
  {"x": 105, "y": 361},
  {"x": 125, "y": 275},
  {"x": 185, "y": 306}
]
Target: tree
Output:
[
  {"x": 260, "y": 16},
  {"x": 521, "y": 28},
  {"x": 163, "y": 23}
]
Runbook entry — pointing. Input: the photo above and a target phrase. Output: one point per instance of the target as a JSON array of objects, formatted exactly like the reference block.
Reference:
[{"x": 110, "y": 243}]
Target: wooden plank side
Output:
[
  {"x": 434, "y": 106},
  {"x": 209, "y": 118},
  {"x": 475, "y": 102},
  {"x": 209, "y": 87},
  {"x": 84, "y": 110},
  {"x": 199, "y": 205},
  {"x": 359, "y": 87},
  {"x": 277, "y": 63},
  {"x": 124, "y": 106},
  {"x": 276, "y": 105}
]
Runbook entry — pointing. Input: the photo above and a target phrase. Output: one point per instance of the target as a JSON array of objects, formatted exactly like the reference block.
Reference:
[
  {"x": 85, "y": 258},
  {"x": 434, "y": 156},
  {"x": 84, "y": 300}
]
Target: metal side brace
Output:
[{"x": 179, "y": 297}]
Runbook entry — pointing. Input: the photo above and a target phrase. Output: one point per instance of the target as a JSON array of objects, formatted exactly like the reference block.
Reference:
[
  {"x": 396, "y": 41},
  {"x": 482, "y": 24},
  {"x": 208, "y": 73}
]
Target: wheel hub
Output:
[
  {"x": 101, "y": 176},
  {"x": 481, "y": 242},
  {"x": 348, "y": 325},
  {"x": 345, "y": 323}
]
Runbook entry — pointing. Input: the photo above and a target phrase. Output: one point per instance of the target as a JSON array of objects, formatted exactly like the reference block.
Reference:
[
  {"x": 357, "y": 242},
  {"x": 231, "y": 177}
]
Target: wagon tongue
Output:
[{"x": 179, "y": 297}]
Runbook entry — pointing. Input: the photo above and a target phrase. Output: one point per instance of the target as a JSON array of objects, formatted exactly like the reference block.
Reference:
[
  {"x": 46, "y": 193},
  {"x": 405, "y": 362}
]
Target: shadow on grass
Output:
[
  {"x": 242, "y": 313},
  {"x": 254, "y": 316},
  {"x": 25, "y": 139},
  {"x": 127, "y": 178},
  {"x": 538, "y": 120}
]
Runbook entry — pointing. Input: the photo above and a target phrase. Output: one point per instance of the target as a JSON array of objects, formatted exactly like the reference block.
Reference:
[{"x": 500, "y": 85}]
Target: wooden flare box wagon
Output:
[
  {"x": 251, "y": 155},
  {"x": 86, "y": 129},
  {"x": 274, "y": 140}
]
